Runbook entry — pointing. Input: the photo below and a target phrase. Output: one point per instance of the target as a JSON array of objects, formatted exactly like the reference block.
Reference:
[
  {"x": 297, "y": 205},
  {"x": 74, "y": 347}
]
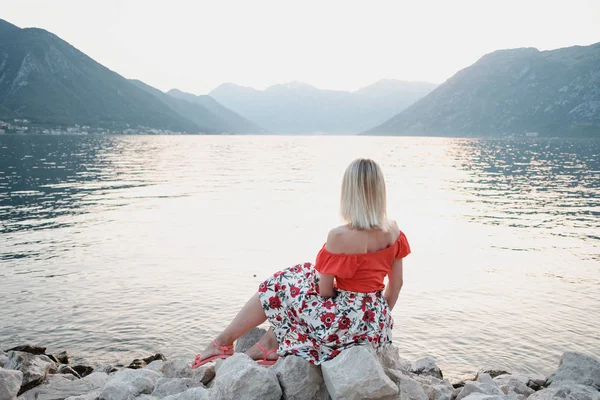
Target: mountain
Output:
[
  {"x": 208, "y": 116},
  {"x": 554, "y": 93},
  {"x": 233, "y": 122},
  {"x": 296, "y": 107},
  {"x": 49, "y": 82},
  {"x": 46, "y": 80}
]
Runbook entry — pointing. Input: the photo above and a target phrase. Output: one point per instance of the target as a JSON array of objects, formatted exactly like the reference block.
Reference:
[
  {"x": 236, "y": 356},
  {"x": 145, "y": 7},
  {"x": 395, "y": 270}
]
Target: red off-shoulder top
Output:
[{"x": 363, "y": 273}]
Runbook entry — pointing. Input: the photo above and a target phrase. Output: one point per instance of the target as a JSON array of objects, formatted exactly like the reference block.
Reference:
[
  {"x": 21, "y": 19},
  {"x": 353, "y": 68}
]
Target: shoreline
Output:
[{"x": 30, "y": 373}]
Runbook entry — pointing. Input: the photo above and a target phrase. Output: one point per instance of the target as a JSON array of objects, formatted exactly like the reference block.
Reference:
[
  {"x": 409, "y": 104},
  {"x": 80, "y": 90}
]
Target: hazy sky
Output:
[{"x": 197, "y": 45}]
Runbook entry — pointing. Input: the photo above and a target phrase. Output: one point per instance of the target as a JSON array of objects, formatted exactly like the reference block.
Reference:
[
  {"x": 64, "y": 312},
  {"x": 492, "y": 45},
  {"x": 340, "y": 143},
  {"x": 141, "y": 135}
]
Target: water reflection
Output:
[{"x": 542, "y": 184}]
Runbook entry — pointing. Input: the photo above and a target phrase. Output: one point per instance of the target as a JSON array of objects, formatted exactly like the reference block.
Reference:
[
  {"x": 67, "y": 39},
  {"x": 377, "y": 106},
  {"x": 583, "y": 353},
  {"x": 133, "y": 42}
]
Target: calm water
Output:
[{"x": 117, "y": 247}]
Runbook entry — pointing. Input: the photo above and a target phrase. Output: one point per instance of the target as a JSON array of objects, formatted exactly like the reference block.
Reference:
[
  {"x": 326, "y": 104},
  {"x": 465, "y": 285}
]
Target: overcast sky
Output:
[{"x": 197, "y": 45}]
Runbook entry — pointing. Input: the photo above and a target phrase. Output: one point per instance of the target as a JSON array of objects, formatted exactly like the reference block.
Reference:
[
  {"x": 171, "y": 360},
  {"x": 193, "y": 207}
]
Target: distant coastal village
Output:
[{"x": 24, "y": 126}]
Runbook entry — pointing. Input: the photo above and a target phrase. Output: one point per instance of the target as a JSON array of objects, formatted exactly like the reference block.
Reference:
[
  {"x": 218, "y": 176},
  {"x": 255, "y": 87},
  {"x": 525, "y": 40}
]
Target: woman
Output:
[{"x": 317, "y": 311}]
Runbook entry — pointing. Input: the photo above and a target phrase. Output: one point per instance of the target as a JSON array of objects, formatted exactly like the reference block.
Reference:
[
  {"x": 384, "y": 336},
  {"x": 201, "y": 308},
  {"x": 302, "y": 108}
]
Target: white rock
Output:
[
  {"x": 169, "y": 386},
  {"x": 198, "y": 393},
  {"x": 409, "y": 388},
  {"x": 482, "y": 396},
  {"x": 61, "y": 386},
  {"x": 426, "y": 366},
  {"x": 143, "y": 397},
  {"x": 204, "y": 375},
  {"x": 389, "y": 357},
  {"x": 512, "y": 385},
  {"x": 566, "y": 391},
  {"x": 485, "y": 386},
  {"x": 182, "y": 369},
  {"x": 3, "y": 358},
  {"x": 435, "y": 389},
  {"x": 129, "y": 382},
  {"x": 176, "y": 369},
  {"x": 298, "y": 378},
  {"x": 577, "y": 368},
  {"x": 534, "y": 381},
  {"x": 155, "y": 366},
  {"x": 10, "y": 383},
  {"x": 239, "y": 374},
  {"x": 35, "y": 368},
  {"x": 357, "y": 374},
  {"x": 88, "y": 396},
  {"x": 249, "y": 340},
  {"x": 487, "y": 379}
]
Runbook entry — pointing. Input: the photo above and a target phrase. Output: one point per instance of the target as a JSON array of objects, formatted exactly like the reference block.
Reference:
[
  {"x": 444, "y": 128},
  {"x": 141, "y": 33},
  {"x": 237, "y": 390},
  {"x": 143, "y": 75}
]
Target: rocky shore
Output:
[{"x": 28, "y": 373}]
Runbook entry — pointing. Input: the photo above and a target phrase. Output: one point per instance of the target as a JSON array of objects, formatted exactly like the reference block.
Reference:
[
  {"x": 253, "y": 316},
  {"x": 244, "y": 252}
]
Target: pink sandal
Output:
[
  {"x": 264, "y": 361},
  {"x": 198, "y": 362}
]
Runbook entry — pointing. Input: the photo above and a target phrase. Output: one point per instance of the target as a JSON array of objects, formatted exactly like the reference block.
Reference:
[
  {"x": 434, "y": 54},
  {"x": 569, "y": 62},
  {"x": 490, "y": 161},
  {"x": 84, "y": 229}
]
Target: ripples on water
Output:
[{"x": 116, "y": 247}]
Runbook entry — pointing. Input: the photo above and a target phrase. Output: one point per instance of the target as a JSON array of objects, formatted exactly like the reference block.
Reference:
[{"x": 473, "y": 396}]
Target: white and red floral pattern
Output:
[{"x": 318, "y": 328}]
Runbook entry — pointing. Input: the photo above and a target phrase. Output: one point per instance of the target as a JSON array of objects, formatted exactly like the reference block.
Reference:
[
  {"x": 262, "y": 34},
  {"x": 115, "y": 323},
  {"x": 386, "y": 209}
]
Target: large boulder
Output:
[
  {"x": 3, "y": 359},
  {"x": 298, "y": 378},
  {"x": 129, "y": 382},
  {"x": 249, "y": 340},
  {"x": 389, "y": 357},
  {"x": 10, "y": 383},
  {"x": 61, "y": 386},
  {"x": 88, "y": 396},
  {"x": 35, "y": 368},
  {"x": 239, "y": 374},
  {"x": 357, "y": 374},
  {"x": 435, "y": 389},
  {"x": 577, "y": 368},
  {"x": 155, "y": 366},
  {"x": 409, "y": 389},
  {"x": 170, "y": 386},
  {"x": 566, "y": 391},
  {"x": 483, "y": 396},
  {"x": 513, "y": 385},
  {"x": 426, "y": 366},
  {"x": 484, "y": 385},
  {"x": 182, "y": 369},
  {"x": 198, "y": 393},
  {"x": 533, "y": 381}
]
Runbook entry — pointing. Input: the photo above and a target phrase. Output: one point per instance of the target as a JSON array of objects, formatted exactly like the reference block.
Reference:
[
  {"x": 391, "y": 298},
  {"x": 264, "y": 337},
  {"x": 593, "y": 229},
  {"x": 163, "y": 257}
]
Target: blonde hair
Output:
[{"x": 363, "y": 200}]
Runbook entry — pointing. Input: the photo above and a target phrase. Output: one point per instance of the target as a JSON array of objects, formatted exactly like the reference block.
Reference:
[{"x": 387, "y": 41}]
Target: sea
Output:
[{"x": 120, "y": 247}]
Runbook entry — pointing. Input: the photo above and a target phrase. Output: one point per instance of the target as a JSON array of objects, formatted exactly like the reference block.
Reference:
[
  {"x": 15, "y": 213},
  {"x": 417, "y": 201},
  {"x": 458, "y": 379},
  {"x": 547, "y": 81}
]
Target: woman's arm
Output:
[
  {"x": 392, "y": 291},
  {"x": 326, "y": 285}
]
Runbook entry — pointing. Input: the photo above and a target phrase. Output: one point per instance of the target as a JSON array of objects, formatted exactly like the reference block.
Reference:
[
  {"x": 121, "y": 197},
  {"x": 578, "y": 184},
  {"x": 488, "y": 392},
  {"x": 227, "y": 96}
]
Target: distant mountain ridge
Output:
[
  {"x": 297, "y": 107},
  {"x": 47, "y": 81},
  {"x": 233, "y": 121},
  {"x": 511, "y": 92}
]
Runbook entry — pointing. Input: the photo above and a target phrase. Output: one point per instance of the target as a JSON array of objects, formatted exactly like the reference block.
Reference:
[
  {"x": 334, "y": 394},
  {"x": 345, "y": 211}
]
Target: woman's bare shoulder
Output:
[
  {"x": 394, "y": 229},
  {"x": 341, "y": 240}
]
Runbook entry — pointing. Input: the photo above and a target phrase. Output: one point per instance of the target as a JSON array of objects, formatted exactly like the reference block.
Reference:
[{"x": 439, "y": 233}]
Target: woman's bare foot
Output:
[{"x": 269, "y": 343}]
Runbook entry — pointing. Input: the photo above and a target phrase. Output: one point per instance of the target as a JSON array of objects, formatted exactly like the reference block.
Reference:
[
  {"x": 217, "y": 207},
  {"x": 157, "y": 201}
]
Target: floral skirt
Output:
[{"x": 318, "y": 328}]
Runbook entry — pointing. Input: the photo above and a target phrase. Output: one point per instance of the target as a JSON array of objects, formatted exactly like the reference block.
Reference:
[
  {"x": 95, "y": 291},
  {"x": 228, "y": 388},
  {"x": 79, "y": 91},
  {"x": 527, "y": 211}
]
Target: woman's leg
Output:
[
  {"x": 268, "y": 342},
  {"x": 250, "y": 316}
]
